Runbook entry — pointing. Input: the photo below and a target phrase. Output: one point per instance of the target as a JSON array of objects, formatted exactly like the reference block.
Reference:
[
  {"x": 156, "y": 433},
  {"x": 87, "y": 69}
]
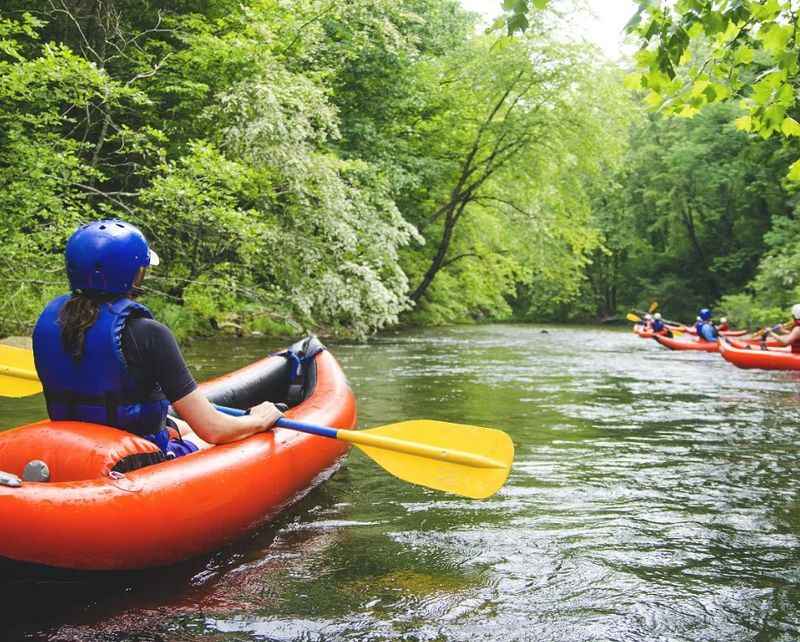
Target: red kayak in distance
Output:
[
  {"x": 757, "y": 343},
  {"x": 682, "y": 344},
  {"x": 761, "y": 359}
]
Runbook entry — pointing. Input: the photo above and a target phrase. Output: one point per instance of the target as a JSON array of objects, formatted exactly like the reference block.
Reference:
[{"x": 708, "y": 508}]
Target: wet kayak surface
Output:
[{"x": 653, "y": 496}]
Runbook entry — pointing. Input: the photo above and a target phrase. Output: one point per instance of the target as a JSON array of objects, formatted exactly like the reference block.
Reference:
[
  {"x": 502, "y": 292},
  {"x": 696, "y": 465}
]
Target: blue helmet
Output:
[
  {"x": 705, "y": 314},
  {"x": 105, "y": 256}
]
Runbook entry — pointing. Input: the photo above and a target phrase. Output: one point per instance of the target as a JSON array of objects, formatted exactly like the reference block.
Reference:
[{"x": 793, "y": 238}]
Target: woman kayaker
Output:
[
  {"x": 102, "y": 358},
  {"x": 793, "y": 337},
  {"x": 705, "y": 328}
]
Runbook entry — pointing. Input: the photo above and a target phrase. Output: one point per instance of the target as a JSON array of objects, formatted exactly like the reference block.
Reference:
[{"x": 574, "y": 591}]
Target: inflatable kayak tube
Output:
[
  {"x": 90, "y": 516},
  {"x": 678, "y": 344},
  {"x": 755, "y": 357},
  {"x": 756, "y": 343}
]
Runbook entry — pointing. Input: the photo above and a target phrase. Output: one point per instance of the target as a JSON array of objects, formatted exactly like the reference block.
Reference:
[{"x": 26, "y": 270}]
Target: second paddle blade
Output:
[
  {"x": 460, "y": 479},
  {"x": 14, "y": 361}
]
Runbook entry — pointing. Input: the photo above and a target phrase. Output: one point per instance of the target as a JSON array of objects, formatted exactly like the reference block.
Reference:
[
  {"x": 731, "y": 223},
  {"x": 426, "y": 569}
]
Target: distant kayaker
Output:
[
  {"x": 723, "y": 325},
  {"x": 659, "y": 327},
  {"x": 705, "y": 328},
  {"x": 102, "y": 358},
  {"x": 791, "y": 339}
]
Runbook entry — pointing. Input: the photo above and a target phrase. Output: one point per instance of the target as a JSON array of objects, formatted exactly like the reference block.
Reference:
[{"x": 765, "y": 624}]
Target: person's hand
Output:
[{"x": 267, "y": 413}]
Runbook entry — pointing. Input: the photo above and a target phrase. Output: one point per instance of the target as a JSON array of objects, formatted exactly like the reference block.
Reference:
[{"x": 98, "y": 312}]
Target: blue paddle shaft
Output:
[
  {"x": 233, "y": 412},
  {"x": 283, "y": 422}
]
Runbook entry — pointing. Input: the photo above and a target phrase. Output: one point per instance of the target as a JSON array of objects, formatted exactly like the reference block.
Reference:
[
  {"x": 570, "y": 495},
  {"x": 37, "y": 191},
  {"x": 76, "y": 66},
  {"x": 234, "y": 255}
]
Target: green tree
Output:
[
  {"x": 684, "y": 221},
  {"x": 511, "y": 131},
  {"x": 699, "y": 53}
]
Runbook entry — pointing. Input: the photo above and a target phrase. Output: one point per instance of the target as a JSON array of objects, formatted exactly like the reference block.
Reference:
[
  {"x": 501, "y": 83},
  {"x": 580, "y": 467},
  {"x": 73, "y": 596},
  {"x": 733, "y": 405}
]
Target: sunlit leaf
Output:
[
  {"x": 790, "y": 127},
  {"x": 794, "y": 172}
]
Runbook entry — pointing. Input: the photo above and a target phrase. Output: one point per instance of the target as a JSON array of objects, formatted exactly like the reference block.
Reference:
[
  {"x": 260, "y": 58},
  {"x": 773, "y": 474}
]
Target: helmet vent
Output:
[
  {"x": 102, "y": 227},
  {"x": 120, "y": 225}
]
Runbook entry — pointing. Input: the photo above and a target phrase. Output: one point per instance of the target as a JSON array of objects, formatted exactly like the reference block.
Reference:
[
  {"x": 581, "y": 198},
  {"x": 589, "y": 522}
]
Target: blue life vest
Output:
[
  {"x": 99, "y": 387},
  {"x": 699, "y": 328},
  {"x": 708, "y": 332},
  {"x": 658, "y": 325}
]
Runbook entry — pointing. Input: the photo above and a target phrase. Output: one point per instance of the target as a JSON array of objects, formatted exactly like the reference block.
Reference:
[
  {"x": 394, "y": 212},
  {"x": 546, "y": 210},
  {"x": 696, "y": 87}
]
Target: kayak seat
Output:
[
  {"x": 286, "y": 377},
  {"x": 75, "y": 451}
]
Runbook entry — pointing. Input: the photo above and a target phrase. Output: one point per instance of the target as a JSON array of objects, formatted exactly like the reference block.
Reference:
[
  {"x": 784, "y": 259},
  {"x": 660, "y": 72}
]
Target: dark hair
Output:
[
  {"x": 76, "y": 317},
  {"x": 80, "y": 313}
]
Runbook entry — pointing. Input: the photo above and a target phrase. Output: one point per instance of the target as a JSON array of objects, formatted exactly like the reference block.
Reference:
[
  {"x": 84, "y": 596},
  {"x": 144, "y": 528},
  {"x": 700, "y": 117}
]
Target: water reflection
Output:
[{"x": 653, "y": 497}]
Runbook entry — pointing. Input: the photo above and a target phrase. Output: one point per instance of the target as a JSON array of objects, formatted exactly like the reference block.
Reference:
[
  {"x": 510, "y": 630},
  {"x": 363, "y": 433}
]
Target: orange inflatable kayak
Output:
[
  {"x": 756, "y": 357},
  {"x": 89, "y": 516},
  {"x": 678, "y": 344}
]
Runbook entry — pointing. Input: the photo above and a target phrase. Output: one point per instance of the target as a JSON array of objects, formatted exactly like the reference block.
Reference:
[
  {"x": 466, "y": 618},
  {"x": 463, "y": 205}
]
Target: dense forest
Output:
[{"x": 347, "y": 165}]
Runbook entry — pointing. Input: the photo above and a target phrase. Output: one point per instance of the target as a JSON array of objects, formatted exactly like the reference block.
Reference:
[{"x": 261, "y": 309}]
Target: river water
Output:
[{"x": 653, "y": 497}]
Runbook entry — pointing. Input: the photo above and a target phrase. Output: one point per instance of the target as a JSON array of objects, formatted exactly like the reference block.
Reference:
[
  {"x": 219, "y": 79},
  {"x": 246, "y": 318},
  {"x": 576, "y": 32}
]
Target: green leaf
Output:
[
  {"x": 699, "y": 86},
  {"x": 743, "y": 55},
  {"x": 744, "y": 123},
  {"x": 785, "y": 95},
  {"x": 496, "y": 25},
  {"x": 794, "y": 172},
  {"x": 634, "y": 21},
  {"x": 696, "y": 30},
  {"x": 767, "y": 11},
  {"x": 633, "y": 81},
  {"x": 517, "y": 22},
  {"x": 653, "y": 99},
  {"x": 776, "y": 37},
  {"x": 773, "y": 117},
  {"x": 790, "y": 127}
]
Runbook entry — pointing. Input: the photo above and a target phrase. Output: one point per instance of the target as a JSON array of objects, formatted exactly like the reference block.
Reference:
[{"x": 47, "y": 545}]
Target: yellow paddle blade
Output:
[
  {"x": 17, "y": 372},
  {"x": 653, "y": 307},
  {"x": 676, "y": 332},
  {"x": 632, "y": 317},
  {"x": 465, "y": 460}
]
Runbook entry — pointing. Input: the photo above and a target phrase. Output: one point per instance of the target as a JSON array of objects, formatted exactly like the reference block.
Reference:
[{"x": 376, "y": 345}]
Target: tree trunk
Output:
[{"x": 438, "y": 259}]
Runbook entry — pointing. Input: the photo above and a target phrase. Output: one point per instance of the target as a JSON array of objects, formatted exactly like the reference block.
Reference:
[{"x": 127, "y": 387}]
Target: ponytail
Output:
[{"x": 75, "y": 318}]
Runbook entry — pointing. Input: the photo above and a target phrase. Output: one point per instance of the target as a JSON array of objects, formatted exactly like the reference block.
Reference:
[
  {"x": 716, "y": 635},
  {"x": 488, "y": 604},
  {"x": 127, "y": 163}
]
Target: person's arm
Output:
[
  {"x": 787, "y": 339},
  {"x": 218, "y": 428},
  {"x": 151, "y": 347}
]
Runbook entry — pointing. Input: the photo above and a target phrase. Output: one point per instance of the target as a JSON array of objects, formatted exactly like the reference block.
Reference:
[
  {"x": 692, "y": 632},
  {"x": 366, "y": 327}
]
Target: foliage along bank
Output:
[
  {"x": 704, "y": 209},
  {"x": 302, "y": 164}
]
